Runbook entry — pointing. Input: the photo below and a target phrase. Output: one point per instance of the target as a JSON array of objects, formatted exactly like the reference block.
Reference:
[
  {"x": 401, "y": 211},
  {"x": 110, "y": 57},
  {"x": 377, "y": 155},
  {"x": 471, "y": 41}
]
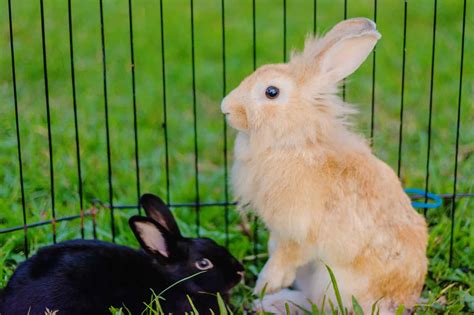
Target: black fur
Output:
[{"x": 87, "y": 277}]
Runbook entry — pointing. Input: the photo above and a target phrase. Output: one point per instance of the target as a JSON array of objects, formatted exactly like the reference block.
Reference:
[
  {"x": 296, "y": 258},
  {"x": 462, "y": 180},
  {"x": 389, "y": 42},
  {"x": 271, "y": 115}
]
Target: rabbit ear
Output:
[
  {"x": 152, "y": 237},
  {"x": 157, "y": 210},
  {"x": 343, "y": 49}
]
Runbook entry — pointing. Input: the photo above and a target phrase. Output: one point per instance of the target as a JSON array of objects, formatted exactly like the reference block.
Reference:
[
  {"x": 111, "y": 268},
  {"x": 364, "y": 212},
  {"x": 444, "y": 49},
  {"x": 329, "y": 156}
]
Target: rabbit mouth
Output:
[{"x": 237, "y": 118}]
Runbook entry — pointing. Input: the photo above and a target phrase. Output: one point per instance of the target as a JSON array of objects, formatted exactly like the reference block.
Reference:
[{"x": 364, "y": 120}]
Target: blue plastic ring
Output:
[{"x": 437, "y": 199}]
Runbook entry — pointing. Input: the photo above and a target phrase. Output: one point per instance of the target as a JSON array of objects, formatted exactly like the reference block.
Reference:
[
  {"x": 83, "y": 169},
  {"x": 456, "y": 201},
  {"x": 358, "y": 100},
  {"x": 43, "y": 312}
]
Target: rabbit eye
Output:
[
  {"x": 204, "y": 264},
  {"x": 272, "y": 92}
]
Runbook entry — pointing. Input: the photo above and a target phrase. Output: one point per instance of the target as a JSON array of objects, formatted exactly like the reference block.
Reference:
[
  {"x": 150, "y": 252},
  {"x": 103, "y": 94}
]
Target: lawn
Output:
[{"x": 448, "y": 288}]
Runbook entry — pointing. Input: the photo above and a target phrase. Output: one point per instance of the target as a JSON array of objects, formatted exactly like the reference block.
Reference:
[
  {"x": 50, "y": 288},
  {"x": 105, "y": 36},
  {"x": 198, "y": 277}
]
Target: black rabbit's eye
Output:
[
  {"x": 204, "y": 264},
  {"x": 272, "y": 92}
]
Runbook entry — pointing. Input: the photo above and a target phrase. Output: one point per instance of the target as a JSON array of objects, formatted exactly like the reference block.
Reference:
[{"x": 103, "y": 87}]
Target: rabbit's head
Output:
[
  {"x": 210, "y": 267},
  {"x": 296, "y": 102}
]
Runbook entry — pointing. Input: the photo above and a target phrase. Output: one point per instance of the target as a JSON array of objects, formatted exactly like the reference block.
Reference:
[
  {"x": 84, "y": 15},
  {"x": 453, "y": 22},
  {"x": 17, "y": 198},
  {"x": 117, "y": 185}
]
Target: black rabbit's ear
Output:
[
  {"x": 157, "y": 210},
  {"x": 152, "y": 237}
]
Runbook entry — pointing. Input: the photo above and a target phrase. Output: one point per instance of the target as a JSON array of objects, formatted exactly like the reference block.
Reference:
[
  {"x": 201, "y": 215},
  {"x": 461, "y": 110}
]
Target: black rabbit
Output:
[{"x": 87, "y": 277}]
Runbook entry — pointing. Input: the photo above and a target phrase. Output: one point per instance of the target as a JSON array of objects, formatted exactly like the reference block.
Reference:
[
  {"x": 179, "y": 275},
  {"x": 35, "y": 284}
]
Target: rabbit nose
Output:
[
  {"x": 241, "y": 273},
  {"x": 225, "y": 106}
]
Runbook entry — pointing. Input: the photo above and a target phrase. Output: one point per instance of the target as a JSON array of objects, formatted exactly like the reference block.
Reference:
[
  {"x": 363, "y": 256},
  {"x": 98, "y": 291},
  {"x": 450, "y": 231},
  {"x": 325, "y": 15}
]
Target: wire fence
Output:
[{"x": 89, "y": 207}]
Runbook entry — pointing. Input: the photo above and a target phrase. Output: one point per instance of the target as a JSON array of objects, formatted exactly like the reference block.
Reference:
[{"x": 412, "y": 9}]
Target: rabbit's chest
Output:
[
  {"x": 244, "y": 170},
  {"x": 281, "y": 189},
  {"x": 245, "y": 179}
]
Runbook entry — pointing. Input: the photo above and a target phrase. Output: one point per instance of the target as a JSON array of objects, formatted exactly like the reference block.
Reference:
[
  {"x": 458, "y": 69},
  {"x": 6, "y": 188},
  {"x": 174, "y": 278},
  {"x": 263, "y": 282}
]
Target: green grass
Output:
[{"x": 452, "y": 285}]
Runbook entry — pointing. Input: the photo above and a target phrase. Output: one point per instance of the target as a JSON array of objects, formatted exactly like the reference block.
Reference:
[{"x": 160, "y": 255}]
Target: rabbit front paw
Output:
[
  {"x": 273, "y": 278},
  {"x": 277, "y": 303}
]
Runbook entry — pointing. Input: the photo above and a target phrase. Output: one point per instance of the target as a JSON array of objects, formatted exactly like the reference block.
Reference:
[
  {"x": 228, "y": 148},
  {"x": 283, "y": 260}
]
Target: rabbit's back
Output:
[{"x": 81, "y": 277}]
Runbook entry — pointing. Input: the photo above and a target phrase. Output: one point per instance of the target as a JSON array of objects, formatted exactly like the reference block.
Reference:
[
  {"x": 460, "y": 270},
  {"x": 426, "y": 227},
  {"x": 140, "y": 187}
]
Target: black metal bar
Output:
[
  {"x": 94, "y": 227},
  {"x": 48, "y": 117},
  {"x": 254, "y": 51},
  {"x": 344, "y": 80},
  {"x": 74, "y": 102},
  {"x": 254, "y": 34},
  {"x": 165, "y": 116},
  {"x": 175, "y": 205},
  {"x": 18, "y": 139},
  {"x": 431, "y": 102},
  {"x": 134, "y": 101},
  {"x": 204, "y": 204},
  {"x": 458, "y": 127},
  {"x": 42, "y": 223},
  {"x": 444, "y": 196},
  {"x": 372, "y": 115},
  {"x": 196, "y": 153},
  {"x": 224, "y": 126},
  {"x": 402, "y": 98},
  {"x": 315, "y": 16},
  {"x": 107, "y": 131},
  {"x": 284, "y": 30},
  {"x": 120, "y": 207}
]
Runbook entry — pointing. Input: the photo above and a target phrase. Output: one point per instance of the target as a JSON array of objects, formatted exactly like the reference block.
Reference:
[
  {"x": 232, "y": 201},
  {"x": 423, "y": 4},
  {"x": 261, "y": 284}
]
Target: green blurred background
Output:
[{"x": 209, "y": 91}]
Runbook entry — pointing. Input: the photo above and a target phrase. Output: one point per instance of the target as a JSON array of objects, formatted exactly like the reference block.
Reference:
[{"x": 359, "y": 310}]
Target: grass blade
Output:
[
  {"x": 336, "y": 289},
  {"x": 222, "y": 306},
  {"x": 400, "y": 309},
  {"x": 180, "y": 281},
  {"x": 315, "y": 309},
  {"x": 323, "y": 304},
  {"x": 302, "y": 308},
  {"x": 262, "y": 293},
  {"x": 356, "y": 306},
  {"x": 195, "y": 311},
  {"x": 375, "y": 307},
  {"x": 331, "y": 305}
]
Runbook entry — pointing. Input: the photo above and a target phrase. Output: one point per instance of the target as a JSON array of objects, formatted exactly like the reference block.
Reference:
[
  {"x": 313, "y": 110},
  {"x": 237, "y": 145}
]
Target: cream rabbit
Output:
[{"x": 323, "y": 195}]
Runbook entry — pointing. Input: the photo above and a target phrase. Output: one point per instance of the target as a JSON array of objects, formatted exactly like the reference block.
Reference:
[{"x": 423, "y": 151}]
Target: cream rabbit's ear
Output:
[{"x": 342, "y": 50}]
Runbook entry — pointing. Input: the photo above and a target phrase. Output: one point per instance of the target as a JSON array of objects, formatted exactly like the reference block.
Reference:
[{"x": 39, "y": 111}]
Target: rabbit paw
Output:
[
  {"x": 277, "y": 303},
  {"x": 273, "y": 278},
  {"x": 278, "y": 307}
]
